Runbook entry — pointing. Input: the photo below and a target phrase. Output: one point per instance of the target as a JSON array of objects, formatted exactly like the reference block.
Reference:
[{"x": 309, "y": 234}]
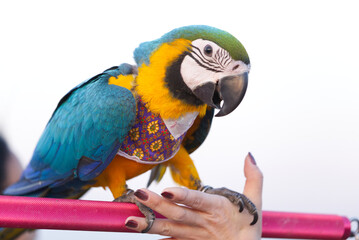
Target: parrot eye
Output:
[{"x": 208, "y": 50}]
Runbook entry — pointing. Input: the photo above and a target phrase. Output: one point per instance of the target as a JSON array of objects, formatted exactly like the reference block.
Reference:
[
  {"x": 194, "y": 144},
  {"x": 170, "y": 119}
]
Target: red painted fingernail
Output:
[
  {"x": 167, "y": 195},
  {"x": 141, "y": 195},
  {"x": 131, "y": 224},
  {"x": 252, "y": 158}
]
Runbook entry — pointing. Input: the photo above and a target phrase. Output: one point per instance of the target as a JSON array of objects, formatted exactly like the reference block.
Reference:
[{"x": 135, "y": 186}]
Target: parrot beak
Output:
[
  {"x": 232, "y": 90},
  {"x": 229, "y": 89}
]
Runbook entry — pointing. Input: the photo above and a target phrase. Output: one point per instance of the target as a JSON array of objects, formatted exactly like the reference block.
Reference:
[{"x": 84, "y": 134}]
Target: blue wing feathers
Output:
[{"x": 90, "y": 121}]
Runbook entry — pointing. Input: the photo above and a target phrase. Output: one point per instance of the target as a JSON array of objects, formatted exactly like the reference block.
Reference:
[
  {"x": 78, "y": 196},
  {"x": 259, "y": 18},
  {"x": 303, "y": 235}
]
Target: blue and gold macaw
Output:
[{"x": 130, "y": 119}]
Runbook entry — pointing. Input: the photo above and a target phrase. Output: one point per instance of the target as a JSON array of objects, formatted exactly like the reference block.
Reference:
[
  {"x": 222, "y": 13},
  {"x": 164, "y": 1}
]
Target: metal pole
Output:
[
  {"x": 68, "y": 214},
  {"x": 305, "y": 226}
]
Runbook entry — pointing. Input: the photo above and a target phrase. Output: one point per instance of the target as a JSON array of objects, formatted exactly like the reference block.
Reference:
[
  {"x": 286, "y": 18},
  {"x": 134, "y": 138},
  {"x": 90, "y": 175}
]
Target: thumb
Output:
[{"x": 254, "y": 181}]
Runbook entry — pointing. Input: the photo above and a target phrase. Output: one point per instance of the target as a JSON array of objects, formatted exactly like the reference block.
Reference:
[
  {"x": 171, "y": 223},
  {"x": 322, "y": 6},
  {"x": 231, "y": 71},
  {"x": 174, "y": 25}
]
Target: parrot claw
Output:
[
  {"x": 236, "y": 198},
  {"x": 129, "y": 197},
  {"x": 149, "y": 225}
]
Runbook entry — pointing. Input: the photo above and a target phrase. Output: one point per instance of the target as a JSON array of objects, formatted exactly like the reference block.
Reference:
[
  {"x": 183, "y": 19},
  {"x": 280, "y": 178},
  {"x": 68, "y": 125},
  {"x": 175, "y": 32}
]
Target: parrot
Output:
[{"x": 134, "y": 118}]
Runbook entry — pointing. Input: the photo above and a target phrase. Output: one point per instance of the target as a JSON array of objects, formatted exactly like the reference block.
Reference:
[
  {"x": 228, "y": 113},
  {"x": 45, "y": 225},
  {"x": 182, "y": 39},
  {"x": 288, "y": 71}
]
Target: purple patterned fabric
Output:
[{"x": 149, "y": 141}]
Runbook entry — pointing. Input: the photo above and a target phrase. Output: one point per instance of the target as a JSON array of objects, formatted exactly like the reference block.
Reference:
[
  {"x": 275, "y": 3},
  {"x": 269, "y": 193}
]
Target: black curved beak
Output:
[{"x": 230, "y": 90}]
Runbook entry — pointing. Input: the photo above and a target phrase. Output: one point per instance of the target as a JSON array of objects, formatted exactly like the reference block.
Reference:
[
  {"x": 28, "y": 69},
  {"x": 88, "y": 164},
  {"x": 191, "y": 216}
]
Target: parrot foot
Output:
[
  {"x": 129, "y": 197},
  {"x": 236, "y": 198}
]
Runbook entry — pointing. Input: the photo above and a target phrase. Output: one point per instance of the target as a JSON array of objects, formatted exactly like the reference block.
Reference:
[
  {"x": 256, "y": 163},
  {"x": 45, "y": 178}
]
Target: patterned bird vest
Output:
[{"x": 153, "y": 140}]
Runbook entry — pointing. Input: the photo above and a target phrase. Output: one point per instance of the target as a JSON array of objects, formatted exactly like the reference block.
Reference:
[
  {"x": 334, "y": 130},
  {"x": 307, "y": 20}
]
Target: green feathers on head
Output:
[{"x": 220, "y": 37}]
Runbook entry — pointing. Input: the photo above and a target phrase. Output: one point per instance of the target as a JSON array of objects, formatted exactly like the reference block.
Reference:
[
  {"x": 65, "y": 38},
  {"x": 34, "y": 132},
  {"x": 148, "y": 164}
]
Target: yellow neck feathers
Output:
[{"x": 151, "y": 85}]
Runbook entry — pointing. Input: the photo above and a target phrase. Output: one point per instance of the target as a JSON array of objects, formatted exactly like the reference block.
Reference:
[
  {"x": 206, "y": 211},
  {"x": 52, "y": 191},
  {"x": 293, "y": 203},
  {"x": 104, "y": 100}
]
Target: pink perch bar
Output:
[
  {"x": 68, "y": 214},
  {"x": 305, "y": 226}
]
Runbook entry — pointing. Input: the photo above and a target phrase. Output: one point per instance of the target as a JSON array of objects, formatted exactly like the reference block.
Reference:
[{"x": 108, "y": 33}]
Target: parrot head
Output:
[{"x": 201, "y": 65}]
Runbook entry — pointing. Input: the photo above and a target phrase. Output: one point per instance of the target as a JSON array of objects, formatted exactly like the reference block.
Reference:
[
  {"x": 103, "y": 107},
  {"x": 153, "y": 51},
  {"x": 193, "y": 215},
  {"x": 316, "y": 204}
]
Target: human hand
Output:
[{"x": 202, "y": 215}]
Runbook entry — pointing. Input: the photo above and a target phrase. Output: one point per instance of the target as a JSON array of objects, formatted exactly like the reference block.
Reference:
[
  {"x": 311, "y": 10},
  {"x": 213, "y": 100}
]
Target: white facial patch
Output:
[{"x": 200, "y": 67}]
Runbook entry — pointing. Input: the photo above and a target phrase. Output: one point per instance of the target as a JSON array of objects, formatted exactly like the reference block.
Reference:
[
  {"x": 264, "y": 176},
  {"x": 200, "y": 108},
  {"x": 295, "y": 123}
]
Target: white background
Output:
[{"x": 299, "y": 118}]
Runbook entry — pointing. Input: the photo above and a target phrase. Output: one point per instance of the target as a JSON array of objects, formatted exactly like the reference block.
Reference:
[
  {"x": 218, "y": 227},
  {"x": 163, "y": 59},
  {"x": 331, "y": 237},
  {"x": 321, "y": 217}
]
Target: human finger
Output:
[
  {"x": 162, "y": 227},
  {"x": 254, "y": 181},
  {"x": 167, "y": 208},
  {"x": 194, "y": 199}
]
